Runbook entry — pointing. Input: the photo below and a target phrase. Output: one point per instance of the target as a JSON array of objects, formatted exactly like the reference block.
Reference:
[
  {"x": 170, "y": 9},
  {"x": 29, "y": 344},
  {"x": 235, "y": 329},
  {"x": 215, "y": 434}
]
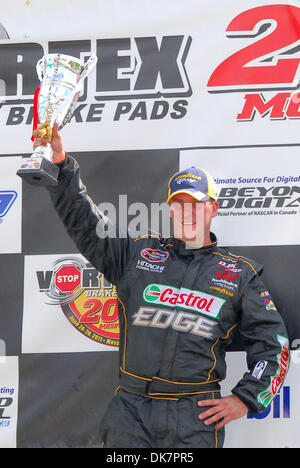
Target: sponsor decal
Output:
[
  {"x": 265, "y": 294},
  {"x": 223, "y": 282},
  {"x": 229, "y": 266},
  {"x": 230, "y": 275},
  {"x": 87, "y": 300},
  {"x": 187, "y": 178},
  {"x": 266, "y": 68},
  {"x": 259, "y": 199},
  {"x": 280, "y": 407},
  {"x": 154, "y": 255},
  {"x": 7, "y": 199},
  {"x": 147, "y": 266},
  {"x": 222, "y": 290},
  {"x": 184, "y": 298},
  {"x": 259, "y": 369},
  {"x": 137, "y": 78},
  {"x": 181, "y": 321},
  {"x": 269, "y": 305},
  {"x": 266, "y": 196},
  {"x": 227, "y": 284},
  {"x": 276, "y": 381}
]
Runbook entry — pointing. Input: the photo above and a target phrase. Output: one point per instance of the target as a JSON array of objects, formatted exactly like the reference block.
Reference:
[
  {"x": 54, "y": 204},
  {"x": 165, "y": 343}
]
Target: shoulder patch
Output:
[{"x": 236, "y": 258}]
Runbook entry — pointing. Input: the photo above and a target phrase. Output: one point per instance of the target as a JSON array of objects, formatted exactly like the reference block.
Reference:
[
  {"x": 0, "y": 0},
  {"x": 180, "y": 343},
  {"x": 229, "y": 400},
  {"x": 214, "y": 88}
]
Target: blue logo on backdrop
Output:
[
  {"x": 7, "y": 199},
  {"x": 281, "y": 406}
]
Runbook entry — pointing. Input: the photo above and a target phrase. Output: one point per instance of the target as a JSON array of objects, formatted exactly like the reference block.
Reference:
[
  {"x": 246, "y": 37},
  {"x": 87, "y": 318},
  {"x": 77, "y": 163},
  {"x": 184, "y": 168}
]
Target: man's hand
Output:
[
  {"x": 56, "y": 142},
  {"x": 223, "y": 410}
]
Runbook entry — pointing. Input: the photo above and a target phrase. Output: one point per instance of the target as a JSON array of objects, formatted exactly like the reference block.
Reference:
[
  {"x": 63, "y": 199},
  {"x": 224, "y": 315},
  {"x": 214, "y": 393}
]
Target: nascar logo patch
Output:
[{"x": 154, "y": 255}]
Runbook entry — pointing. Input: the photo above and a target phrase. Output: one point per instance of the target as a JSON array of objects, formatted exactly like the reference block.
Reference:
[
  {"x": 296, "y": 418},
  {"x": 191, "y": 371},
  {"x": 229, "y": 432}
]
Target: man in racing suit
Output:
[{"x": 175, "y": 322}]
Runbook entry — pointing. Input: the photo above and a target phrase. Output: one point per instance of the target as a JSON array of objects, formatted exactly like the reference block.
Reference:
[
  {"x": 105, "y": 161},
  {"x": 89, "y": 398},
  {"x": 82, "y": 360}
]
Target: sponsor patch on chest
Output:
[
  {"x": 183, "y": 298},
  {"x": 154, "y": 255},
  {"x": 152, "y": 260}
]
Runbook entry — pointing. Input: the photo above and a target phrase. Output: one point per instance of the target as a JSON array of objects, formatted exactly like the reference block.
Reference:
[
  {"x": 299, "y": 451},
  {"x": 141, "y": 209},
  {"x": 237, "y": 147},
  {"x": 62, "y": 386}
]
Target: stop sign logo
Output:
[{"x": 67, "y": 278}]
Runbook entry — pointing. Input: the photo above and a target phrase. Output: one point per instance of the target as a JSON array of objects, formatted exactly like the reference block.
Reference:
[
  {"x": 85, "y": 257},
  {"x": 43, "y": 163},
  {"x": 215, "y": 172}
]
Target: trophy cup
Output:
[{"x": 62, "y": 78}]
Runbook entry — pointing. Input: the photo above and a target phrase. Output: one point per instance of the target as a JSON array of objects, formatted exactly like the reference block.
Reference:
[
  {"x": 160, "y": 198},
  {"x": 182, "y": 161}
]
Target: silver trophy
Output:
[{"x": 62, "y": 78}]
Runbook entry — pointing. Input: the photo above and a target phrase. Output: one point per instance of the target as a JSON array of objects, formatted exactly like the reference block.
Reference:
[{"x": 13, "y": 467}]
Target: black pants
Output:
[{"x": 134, "y": 421}]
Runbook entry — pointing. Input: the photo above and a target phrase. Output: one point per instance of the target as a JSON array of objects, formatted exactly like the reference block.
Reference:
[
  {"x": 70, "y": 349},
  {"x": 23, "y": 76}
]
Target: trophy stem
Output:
[{"x": 44, "y": 151}]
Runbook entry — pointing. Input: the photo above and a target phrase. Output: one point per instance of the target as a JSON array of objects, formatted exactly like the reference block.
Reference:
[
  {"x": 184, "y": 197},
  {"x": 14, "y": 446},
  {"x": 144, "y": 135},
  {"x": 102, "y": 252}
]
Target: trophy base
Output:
[{"x": 38, "y": 170}]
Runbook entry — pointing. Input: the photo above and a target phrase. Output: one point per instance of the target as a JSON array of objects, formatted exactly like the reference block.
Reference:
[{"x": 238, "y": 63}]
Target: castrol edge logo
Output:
[{"x": 184, "y": 298}]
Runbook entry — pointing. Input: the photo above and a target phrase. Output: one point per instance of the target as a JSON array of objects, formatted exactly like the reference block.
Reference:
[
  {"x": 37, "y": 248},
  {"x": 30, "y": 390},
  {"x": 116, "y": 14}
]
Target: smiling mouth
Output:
[{"x": 189, "y": 224}]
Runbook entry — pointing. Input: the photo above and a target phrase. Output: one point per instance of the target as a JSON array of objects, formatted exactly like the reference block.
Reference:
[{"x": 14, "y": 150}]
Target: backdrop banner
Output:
[{"x": 208, "y": 84}]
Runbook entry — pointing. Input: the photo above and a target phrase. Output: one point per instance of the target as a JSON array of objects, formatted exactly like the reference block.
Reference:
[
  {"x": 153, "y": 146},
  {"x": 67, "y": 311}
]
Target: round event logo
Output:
[{"x": 88, "y": 301}]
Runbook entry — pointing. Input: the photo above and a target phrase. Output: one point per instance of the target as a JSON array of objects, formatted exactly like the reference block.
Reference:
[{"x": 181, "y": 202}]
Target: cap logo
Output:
[{"x": 188, "y": 175}]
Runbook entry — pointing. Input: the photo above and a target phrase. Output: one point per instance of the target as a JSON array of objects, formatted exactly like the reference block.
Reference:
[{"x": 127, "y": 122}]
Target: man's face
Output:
[{"x": 192, "y": 219}]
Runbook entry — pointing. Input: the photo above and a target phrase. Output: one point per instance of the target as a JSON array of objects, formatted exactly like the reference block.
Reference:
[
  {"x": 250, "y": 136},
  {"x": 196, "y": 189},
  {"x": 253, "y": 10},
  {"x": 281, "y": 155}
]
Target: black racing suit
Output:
[{"x": 178, "y": 310}]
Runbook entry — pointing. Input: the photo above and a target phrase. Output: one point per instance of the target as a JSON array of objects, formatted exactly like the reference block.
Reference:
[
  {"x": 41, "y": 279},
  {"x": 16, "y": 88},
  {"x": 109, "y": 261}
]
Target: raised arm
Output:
[{"x": 84, "y": 222}]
